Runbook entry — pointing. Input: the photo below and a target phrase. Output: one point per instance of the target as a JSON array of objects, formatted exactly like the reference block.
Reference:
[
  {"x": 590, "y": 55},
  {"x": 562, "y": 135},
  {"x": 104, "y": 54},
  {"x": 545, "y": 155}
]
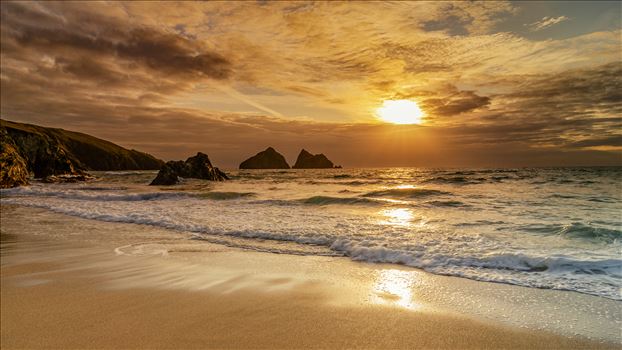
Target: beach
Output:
[
  {"x": 297, "y": 175},
  {"x": 76, "y": 283}
]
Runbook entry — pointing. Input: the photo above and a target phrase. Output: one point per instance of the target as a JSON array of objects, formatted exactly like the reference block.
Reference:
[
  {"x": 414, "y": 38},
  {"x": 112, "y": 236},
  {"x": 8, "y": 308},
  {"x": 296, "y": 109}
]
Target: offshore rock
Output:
[
  {"x": 307, "y": 160},
  {"x": 198, "y": 167},
  {"x": 268, "y": 159}
]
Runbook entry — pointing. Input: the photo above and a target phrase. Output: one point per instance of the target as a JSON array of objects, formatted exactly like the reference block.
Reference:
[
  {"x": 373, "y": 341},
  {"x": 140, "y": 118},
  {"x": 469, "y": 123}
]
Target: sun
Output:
[{"x": 400, "y": 112}]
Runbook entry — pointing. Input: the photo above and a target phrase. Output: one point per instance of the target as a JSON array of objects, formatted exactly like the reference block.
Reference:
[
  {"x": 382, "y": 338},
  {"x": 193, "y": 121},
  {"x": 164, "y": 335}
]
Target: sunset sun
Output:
[{"x": 400, "y": 112}]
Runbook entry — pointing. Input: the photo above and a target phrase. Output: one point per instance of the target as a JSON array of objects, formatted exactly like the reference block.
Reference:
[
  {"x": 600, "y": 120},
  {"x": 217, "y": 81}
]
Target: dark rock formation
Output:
[
  {"x": 198, "y": 167},
  {"x": 13, "y": 169},
  {"x": 307, "y": 160},
  {"x": 268, "y": 159},
  {"x": 50, "y": 151}
]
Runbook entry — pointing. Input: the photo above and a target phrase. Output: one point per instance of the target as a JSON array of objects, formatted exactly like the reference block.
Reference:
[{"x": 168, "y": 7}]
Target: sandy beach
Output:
[
  {"x": 310, "y": 174},
  {"x": 94, "y": 285}
]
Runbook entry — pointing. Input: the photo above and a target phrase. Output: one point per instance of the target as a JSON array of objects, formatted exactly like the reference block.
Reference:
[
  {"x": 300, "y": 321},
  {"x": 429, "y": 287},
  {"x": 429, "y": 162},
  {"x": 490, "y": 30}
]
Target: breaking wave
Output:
[
  {"x": 226, "y": 195},
  {"x": 90, "y": 195},
  {"x": 402, "y": 193}
]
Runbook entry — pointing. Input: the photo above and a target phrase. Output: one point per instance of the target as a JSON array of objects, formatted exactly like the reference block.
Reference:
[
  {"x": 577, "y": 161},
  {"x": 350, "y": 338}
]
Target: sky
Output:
[{"x": 500, "y": 84}]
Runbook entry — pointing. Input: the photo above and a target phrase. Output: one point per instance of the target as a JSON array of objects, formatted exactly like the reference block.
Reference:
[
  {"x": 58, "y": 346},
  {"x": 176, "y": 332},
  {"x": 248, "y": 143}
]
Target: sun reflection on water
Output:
[
  {"x": 398, "y": 217},
  {"x": 395, "y": 287}
]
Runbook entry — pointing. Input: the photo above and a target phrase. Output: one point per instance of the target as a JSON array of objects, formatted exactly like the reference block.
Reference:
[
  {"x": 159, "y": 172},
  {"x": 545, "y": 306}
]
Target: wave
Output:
[
  {"x": 359, "y": 182},
  {"x": 88, "y": 195},
  {"x": 503, "y": 261},
  {"x": 225, "y": 195},
  {"x": 576, "y": 230},
  {"x": 348, "y": 183},
  {"x": 405, "y": 193},
  {"x": 564, "y": 196},
  {"x": 103, "y": 188},
  {"x": 464, "y": 180},
  {"x": 458, "y": 180},
  {"x": 581, "y": 231},
  {"x": 99, "y": 194},
  {"x": 603, "y": 199},
  {"x": 326, "y": 200},
  {"x": 365, "y": 200},
  {"x": 599, "y": 199},
  {"x": 502, "y": 268},
  {"x": 453, "y": 204}
]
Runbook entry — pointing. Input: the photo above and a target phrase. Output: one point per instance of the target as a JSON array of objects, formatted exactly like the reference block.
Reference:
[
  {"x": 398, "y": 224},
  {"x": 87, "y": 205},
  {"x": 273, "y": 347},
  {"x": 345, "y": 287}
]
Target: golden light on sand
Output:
[
  {"x": 395, "y": 287},
  {"x": 400, "y": 112}
]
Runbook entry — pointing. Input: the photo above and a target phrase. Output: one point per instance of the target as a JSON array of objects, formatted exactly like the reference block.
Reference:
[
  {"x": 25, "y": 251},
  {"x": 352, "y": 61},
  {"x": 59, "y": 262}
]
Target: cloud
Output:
[
  {"x": 468, "y": 17},
  {"x": 580, "y": 107},
  {"x": 546, "y": 22},
  {"x": 27, "y": 28}
]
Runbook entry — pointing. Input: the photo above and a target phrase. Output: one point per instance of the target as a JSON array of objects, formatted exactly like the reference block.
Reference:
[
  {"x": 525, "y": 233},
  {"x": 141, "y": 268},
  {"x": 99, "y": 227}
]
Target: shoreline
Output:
[{"x": 67, "y": 286}]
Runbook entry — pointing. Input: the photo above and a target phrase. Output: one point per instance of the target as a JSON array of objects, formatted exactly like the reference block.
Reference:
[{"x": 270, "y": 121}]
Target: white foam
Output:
[{"x": 88, "y": 193}]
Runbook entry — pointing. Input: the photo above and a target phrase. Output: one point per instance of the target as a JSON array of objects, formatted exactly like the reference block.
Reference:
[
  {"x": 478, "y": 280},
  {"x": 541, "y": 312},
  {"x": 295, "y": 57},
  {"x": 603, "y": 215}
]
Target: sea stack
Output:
[
  {"x": 198, "y": 167},
  {"x": 307, "y": 160},
  {"x": 268, "y": 159}
]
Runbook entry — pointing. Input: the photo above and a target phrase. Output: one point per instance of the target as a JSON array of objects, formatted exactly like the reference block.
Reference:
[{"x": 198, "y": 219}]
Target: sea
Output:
[{"x": 553, "y": 228}]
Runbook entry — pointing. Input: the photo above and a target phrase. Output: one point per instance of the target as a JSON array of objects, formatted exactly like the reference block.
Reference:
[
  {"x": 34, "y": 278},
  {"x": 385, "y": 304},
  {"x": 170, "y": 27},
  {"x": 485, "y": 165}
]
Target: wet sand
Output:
[{"x": 103, "y": 285}]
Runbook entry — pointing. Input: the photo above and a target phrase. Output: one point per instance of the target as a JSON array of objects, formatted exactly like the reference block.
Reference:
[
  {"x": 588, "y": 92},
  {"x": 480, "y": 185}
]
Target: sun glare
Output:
[
  {"x": 395, "y": 287},
  {"x": 400, "y": 112}
]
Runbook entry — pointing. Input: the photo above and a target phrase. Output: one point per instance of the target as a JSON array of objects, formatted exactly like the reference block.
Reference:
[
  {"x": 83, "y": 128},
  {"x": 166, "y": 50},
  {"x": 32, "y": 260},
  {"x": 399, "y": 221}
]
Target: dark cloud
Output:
[
  {"x": 24, "y": 26},
  {"x": 594, "y": 87},
  {"x": 607, "y": 141},
  {"x": 452, "y": 25},
  {"x": 60, "y": 61},
  {"x": 460, "y": 102},
  {"x": 584, "y": 104}
]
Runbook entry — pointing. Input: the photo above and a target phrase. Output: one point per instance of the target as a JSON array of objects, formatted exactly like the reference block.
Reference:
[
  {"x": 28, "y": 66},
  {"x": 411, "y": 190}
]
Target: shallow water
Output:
[{"x": 544, "y": 228}]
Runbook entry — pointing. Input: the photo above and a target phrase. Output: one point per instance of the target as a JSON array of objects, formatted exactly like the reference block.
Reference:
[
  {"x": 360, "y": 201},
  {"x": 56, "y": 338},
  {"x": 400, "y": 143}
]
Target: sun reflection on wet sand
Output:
[{"x": 395, "y": 287}]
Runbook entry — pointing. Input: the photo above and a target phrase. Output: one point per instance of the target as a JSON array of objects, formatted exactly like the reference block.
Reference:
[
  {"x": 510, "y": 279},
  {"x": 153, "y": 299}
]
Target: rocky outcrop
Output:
[
  {"x": 198, "y": 167},
  {"x": 268, "y": 159},
  {"x": 307, "y": 160},
  {"x": 50, "y": 151},
  {"x": 58, "y": 155},
  {"x": 13, "y": 168}
]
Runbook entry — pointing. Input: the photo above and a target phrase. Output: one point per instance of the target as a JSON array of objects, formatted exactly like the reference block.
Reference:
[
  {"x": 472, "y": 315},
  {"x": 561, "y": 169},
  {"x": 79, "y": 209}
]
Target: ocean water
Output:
[{"x": 544, "y": 228}]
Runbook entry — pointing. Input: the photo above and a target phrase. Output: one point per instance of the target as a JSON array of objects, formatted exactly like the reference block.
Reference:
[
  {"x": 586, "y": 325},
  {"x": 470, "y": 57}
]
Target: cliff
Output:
[
  {"x": 268, "y": 159},
  {"x": 40, "y": 146},
  {"x": 49, "y": 151}
]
